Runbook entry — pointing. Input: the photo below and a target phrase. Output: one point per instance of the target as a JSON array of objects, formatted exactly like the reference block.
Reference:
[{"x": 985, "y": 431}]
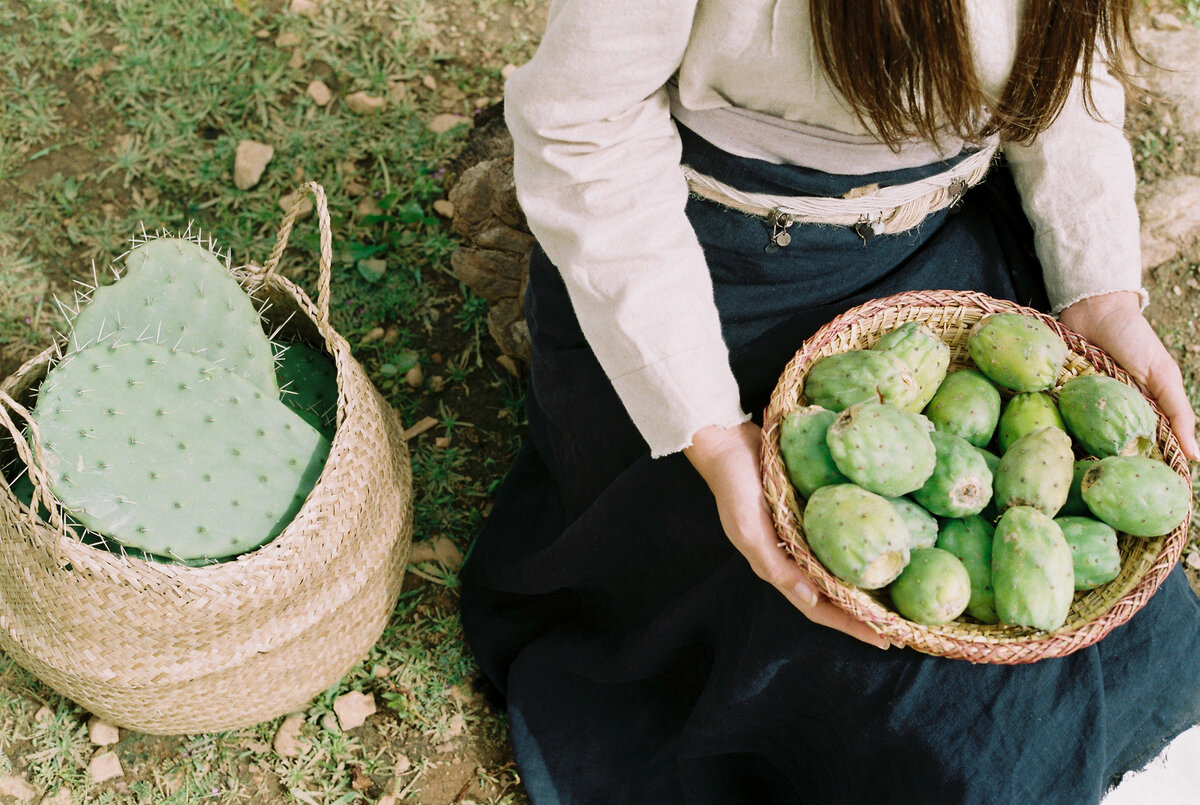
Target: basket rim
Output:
[{"x": 959, "y": 640}]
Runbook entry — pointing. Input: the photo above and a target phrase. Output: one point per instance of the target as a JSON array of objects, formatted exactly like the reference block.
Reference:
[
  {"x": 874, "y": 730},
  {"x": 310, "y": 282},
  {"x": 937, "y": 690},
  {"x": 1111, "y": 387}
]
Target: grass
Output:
[{"x": 121, "y": 115}]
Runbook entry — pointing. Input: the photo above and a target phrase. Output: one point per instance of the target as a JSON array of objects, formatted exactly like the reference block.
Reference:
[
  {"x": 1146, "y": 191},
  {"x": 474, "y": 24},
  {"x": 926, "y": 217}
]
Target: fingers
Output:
[{"x": 1165, "y": 382}]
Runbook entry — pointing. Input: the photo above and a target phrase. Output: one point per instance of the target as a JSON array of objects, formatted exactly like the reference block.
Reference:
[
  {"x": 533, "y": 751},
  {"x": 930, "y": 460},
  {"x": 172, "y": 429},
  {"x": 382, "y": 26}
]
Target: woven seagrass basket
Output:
[
  {"x": 950, "y": 314},
  {"x": 170, "y": 649}
]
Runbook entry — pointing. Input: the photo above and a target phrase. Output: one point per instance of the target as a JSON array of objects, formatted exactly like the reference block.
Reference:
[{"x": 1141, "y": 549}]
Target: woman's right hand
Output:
[{"x": 728, "y": 461}]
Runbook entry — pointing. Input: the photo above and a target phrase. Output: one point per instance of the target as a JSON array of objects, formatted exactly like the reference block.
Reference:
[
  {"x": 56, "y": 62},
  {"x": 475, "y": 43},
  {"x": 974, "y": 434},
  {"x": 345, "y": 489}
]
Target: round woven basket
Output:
[
  {"x": 170, "y": 649},
  {"x": 950, "y": 314}
]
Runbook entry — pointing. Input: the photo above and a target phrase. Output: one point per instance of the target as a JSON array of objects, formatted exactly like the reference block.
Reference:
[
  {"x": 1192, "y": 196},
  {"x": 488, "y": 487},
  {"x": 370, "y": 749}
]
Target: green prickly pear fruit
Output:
[
  {"x": 882, "y": 448},
  {"x": 308, "y": 385},
  {"x": 1097, "y": 560},
  {"x": 1024, "y": 413},
  {"x": 1036, "y": 471},
  {"x": 1075, "y": 507},
  {"x": 857, "y": 535},
  {"x": 1033, "y": 572},
  {"x": 933, "y": 588},
  {"x": 923, "y": 352},
  {"x": 961, "y": 483},
  {"x": 991, "y": 512},
  {"x": 165, "y": 452},
  {"x": 862, "y": 375},
  {"x": 177, "y": 292},
  {"x": 1108, "y": 417},
  {"x": 1018, "y": 352},
  {"x": 1137, "y": 495},
  {"x": 966, "y": 404},
  {"x": 805, "y": 453},
  {"x": 922, "y": 526},
  {"x": 970, "y": 539}
]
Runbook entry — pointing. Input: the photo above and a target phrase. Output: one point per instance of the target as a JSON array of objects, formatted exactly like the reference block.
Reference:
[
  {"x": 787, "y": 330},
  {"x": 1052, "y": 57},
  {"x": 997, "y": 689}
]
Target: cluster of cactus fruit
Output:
[
  {"x": 166, "y": 429},
  {"x": 991, "y": 491}
]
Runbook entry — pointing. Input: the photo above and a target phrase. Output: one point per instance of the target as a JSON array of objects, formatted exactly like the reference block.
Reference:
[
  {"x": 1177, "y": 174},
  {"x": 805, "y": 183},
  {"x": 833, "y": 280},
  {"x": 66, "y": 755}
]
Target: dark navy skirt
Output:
[{"x": 643, "y": 662}]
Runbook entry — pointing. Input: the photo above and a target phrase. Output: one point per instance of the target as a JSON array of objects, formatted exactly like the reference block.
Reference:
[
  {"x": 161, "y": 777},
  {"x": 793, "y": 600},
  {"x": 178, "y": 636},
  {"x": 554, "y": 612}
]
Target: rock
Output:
[
  {"x": 429, "y": 82},
  {"x": 319, "y": 92},
  {"x": 441, "y": 442},
  {"x": 62, "y": 796},
  {"x": 387, "y": 799},
  {"x": 304, "y": 8},
  {"x": 368, "y": 206},
  {"x": 443, "y": 208},
  {"x": 297, "y": 59},
  {"x": 1170, "y": 219},
  {"x": 374, "y": 335},
  {"x": 353, "y": 708},
  {"x": 286, "y": 203},
  {"x": 287, "y": 738},
  {"x": 1179, "y": 83},
  {"x": 18, "y": 788},
  {"x": 287, "y": 39},
  {"x": 403, "y": 764},
  {"x": 330, "y": 722},
  {"x": 44, "y": 713},
  {"x": 364, "y": 103},
  {"x": 438, "y": 549},
  {"x": 249, "y": 162},
  {"x": 105, "y": 766},
  {"x": 101, "y": 733},
  {"x": 414, "y": 377},
  {"x": 1166, "y": 21},
  {"x": 445, "y": 122}
]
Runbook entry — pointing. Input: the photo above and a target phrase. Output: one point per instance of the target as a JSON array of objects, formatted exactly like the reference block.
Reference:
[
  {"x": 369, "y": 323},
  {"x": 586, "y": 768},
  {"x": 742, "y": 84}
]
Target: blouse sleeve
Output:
[
  {"x": 1077, "y": 186},
  {"x": 597, "y": 169}
]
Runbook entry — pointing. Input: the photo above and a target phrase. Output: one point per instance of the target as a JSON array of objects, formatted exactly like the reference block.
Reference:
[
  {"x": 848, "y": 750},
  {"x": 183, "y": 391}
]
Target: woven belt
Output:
[{"x": 870, "y": 210}]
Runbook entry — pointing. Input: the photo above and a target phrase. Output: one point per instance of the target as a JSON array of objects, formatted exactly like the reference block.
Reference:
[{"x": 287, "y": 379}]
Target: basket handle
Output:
[
  {"x": 34, "y": 458},
  {"x": 325, "y": 263}
]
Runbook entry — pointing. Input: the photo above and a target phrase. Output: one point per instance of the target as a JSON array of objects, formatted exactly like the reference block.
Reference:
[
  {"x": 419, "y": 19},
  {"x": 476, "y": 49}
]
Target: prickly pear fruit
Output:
[
  {"x": 308, "y": 385},
  {"x": 966, "y": 404},
  {"x": 923, "y": 352},
  {"x": 1094, "y": 549},
  {"x": 1036, "y": 471},
  {"x": 862, "y": 375},
  {"x": 1137, "y": 495},
  {"x": 1033, "y": 573},
  {"x": 922, "y": 526},
  {"x": 163, "y": 451},
  {"x": 857, "y": 535},
  {"x": 961, "y": 483},
  {"x": 805, "y": 453},
  {"x": 1108, "y": 417},
  {"x": 1018, "y": 352},
  {"x": 991, "y": 512},
  {"x": 970, "y": 539},
  {"x": 176, "y": 292},
  {"x": 1024, "y": 413},
  {"x": 933, "y": 588},
  {"x": 1074, "y": 506},
  {"x": 882, "y": 448}
]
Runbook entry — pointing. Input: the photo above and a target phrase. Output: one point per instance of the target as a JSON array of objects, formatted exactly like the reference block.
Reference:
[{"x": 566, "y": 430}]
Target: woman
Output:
[{"x": 628, "y": 594}]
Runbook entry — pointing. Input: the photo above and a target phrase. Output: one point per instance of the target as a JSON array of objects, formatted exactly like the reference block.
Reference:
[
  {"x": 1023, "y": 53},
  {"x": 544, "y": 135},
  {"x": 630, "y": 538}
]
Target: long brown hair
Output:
[{"x": 907, "y": 69}]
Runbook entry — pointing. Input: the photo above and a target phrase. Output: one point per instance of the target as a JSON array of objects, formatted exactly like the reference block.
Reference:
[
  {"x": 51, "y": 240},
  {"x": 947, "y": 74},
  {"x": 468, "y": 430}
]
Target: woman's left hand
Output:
[{"x": 1114, "y": 322}]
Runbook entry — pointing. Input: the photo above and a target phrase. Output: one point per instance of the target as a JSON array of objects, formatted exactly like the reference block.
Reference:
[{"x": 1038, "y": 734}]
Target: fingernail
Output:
[{"x": 806, "y": 593}]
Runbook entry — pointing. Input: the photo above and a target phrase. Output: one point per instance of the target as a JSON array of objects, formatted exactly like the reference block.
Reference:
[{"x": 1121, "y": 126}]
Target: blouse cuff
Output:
[{"x": 1090, "y": 258}]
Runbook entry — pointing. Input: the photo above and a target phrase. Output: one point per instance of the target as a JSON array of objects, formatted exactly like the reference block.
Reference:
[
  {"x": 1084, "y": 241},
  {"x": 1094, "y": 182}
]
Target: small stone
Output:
[
  {"x": 355, "y": 188},
  {"x": 1166, "y": 21},
  {"x": 1193, "y": 560},
  {"x": 387, "y": 799},
  {"x": 436, "y": 383},
  {"x": 101, "y": 733},
  {"x": 18, "y": 788},
  {"x": 353, "y": 708},
  {"x": 397, "y": 90},
  {"x": 438, "y": 549},
  {"x": 286, "y": 203},
  {"x": 62, "y": 796},
  {"x": 44, "y": 713},
  {"x": 105, "y": 766},
  {"x": 319, "y": 92},
  {"x": 329, "y": 722},
  {"x": 403, "y": 764},
  {"x": 393, "y": 334},
  {"x": 381, "y": 672},
  {"x": 446, "y": 747},
  {"x": 445, "y": 122},
  {"x": 443, "y": 208},
  {"x": 429, "y": 82},
  {"x": 414, "y": 377},
  {"x": 296, "y": 61},
  {"x": 250, "y": 160},
  {"x": 374, "y": 335},
  {"x": 1177, "y": 290},
  {"x": 456, "y": 725},
  {"x": 287, "y": 39},
  {"x": 287, "y": 738},
  {"x": 364, "y": 103},
  {"x": 441, "y": 442},
  {"x": 305, "y": 8},
  {"x": 507, "y": 70},
  {"x": 262, "y": 33},
  {"x": 368, "y": 206}
]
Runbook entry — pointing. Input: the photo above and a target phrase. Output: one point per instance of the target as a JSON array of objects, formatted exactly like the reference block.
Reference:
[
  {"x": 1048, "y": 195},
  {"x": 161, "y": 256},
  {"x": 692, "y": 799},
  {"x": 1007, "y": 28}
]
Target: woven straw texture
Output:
[
  {"x": 1144, "y": 562},
  {"x": 170, "y": 649}
]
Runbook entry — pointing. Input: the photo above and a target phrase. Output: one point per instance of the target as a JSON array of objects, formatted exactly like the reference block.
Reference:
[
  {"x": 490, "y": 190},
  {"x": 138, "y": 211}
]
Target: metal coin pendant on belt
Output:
[{"x": 780, "y": 221}]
